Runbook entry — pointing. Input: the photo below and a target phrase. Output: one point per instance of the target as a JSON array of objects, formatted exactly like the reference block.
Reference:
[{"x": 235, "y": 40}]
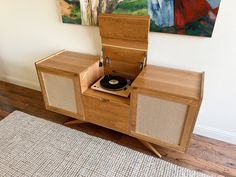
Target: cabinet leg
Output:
[
  {"x": 73, "y": 122},
  {"x": 151, "y": 148}
]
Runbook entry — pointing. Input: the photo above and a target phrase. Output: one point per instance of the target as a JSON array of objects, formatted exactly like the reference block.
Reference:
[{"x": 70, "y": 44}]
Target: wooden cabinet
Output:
[
  {"x": 162, "y": 109},
  {"x": 63, "y": 77},
  {"x": 165, "y": 104}
]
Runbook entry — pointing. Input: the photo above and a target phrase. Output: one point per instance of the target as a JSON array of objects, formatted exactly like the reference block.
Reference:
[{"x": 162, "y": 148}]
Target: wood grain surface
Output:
[{"x": 177, "y": 82}]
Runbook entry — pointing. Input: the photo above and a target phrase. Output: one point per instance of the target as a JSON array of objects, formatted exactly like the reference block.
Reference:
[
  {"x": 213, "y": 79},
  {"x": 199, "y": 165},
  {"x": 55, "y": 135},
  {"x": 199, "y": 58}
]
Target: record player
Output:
[{"x": 124, "y": 50}]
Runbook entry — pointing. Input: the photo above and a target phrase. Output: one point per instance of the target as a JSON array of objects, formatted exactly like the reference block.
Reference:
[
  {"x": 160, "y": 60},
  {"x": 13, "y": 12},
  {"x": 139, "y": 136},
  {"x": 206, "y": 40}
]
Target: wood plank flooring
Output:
[{"x": 204, "y": 154}]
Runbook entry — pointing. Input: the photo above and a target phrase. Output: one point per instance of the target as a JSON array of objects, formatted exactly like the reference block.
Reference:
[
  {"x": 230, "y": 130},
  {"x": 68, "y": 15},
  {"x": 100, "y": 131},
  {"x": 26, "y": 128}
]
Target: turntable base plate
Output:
[{"x": 124, "y": 93}]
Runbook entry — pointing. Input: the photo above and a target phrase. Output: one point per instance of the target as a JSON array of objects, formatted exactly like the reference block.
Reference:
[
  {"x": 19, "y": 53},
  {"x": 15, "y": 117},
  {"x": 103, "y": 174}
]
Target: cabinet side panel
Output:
[
  {"x": 60, "y": 92},
  {"x": 161, "y": 119},
  {"x": 89, "y": 76}
]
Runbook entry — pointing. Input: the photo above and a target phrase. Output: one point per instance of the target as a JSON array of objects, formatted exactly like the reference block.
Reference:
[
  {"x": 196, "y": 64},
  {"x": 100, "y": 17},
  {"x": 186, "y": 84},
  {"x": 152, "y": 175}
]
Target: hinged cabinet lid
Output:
[
  {"x": 124, "y": 42},
  {"x": 124, "y": 31}
]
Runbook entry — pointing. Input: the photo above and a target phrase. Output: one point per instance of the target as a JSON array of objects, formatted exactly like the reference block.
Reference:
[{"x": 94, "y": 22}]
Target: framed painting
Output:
[{"x": 189, "y": 17}]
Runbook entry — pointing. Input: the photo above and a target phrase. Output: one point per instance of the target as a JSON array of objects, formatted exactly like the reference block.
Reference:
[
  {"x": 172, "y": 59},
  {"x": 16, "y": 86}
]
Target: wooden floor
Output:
[{"x": 204, "y": 154}]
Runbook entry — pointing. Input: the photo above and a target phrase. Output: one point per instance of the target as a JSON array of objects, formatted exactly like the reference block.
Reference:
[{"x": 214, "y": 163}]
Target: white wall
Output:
[{"x": 32, "y": 29}]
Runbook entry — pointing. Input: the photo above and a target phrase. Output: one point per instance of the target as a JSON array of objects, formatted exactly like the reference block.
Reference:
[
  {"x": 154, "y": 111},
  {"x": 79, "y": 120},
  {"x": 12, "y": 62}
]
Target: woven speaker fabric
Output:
[{"x": 31, "y": 146}]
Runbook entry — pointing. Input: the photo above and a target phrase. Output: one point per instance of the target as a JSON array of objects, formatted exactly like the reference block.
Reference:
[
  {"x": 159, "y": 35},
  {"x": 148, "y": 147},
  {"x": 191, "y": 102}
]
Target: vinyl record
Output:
[{"x": 110, "y": 82}]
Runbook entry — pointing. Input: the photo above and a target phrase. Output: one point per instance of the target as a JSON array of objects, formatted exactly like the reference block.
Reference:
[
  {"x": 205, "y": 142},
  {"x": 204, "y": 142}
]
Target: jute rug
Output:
[{"x": 30, "y": 146}]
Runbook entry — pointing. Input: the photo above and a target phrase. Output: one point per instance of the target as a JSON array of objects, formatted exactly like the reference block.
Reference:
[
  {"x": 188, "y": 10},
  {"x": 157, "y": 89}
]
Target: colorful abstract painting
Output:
[{"x": 189, "y": 17}]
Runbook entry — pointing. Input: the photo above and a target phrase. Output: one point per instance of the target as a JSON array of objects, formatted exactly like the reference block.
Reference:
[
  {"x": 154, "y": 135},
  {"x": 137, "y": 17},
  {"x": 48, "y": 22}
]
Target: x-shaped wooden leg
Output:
[
  {"x": 146, "y": 144},
  {"x": 150, "y": 147},
  {"x": 73, "y": 122}
]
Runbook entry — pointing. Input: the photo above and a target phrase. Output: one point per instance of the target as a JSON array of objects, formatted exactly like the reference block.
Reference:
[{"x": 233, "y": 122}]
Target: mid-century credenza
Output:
[
  {"x": 162, "y": 108},
  {"x": 163, "y": 104}
]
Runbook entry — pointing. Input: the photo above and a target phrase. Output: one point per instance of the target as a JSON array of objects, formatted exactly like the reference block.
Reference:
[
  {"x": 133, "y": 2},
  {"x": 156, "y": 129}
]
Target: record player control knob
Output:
[
  {"x": 100, "y": 64},
  {"x": 107, "y": 60},
  {"x": 101, "y": 59},
  {"x": 141, "y": 65}
]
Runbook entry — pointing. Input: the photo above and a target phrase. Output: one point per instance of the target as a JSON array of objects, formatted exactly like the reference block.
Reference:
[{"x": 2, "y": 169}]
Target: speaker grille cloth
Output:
[
  {"x": 60, "y": 92},
  {"x": 160, "y": 118}
]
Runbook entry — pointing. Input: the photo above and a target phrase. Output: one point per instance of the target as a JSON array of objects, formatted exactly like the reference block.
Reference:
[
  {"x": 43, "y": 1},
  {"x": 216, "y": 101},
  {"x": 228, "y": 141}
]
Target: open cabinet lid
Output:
[
  {"x": 124, "y": 31},
  {"x": 124, "y": 42}
]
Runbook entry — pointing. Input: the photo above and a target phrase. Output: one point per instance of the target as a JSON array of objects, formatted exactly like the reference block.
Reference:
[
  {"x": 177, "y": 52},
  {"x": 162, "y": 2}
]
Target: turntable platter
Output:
[{"x": 113, "y": 83}]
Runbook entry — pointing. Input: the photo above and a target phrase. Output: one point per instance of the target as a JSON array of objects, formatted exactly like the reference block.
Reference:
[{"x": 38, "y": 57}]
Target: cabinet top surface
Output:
[
  {"x": 68, "y": 61},
  {"x": 182, "y": 83}
]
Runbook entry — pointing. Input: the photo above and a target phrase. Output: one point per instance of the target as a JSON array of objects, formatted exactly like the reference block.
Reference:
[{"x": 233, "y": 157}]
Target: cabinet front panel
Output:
[
  {"x": 60, "y": 91},
  {"x": 159, "y": 118},
  {"x": 106, "y": 113}
]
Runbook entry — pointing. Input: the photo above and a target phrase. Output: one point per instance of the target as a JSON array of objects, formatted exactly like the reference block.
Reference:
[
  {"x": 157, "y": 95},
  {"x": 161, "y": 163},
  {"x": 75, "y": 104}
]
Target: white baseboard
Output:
[
  {"x": 215, "y": 133},
  {"x": 19, "y": 82}
]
